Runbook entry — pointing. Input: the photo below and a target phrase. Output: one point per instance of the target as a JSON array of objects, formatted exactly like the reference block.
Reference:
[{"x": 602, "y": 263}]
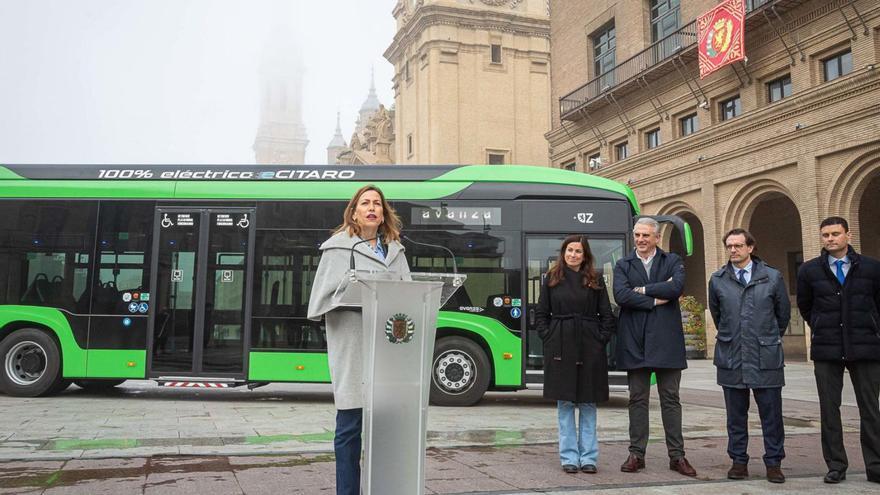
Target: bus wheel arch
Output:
[
  {"x": 30, "y": 361},
  {"x": 461, "y": 369}
]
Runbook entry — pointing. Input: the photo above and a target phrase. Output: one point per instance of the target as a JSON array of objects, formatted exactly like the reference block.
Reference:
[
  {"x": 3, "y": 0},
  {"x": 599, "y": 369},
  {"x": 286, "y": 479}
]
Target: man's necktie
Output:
[
  {"x": 742, "y": 277},
  {"x": 840, "y": 275}
]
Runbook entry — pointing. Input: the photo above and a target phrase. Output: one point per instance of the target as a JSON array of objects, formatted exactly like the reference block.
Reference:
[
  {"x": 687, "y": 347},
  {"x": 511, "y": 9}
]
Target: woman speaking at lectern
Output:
[{"x": 370, "y": 233}]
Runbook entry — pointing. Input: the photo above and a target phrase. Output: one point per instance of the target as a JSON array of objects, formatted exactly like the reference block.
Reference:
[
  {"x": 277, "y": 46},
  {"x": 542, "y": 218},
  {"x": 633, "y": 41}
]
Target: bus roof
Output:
[{"x": 280, "y": 181}]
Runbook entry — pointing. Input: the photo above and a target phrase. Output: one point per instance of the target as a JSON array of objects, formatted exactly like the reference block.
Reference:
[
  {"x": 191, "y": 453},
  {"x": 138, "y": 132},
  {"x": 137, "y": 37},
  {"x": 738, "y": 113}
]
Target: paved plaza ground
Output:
[{"x": 278, "y": 439}]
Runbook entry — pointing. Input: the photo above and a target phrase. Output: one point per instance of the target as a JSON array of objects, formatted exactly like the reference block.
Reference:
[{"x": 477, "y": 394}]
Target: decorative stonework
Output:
[{"x": 373, "y": 143}]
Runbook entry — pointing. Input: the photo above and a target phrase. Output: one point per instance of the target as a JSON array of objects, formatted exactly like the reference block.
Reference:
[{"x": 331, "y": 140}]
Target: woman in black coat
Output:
[{"x": 575, "y": 322}]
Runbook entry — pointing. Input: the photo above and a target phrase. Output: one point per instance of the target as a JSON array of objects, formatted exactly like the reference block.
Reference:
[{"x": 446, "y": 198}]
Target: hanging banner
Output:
[{"x": 720, "y": 37}]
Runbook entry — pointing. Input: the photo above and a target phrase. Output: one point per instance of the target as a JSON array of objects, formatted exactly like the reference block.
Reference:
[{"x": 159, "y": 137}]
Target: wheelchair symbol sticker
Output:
[
  {"x": 244, "y": 222},
  {"x": 166, "y": 222},
  {"x": 143, "y": 308},
  {"x": 515, "y": 312}
]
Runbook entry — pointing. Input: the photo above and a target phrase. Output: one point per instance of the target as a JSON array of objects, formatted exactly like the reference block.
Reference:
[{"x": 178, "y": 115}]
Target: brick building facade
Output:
[{"x": 773, "y": 145}]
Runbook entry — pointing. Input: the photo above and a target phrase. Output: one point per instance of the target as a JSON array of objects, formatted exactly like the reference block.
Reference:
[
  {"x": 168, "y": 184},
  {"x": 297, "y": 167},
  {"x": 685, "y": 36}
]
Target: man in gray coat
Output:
[{"x": 751, "y": 310}]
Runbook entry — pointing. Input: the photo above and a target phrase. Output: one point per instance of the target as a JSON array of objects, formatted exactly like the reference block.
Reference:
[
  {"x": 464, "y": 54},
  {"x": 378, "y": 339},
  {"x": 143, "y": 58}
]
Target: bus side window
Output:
[
  {"x": 122, "y": 275},
  {"x": 284, "y": 266},
  {"x": 45, "y": 250}
]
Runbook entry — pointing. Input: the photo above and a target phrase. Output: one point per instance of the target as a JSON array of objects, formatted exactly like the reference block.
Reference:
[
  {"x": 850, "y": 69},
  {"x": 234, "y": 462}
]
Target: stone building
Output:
[
  {"x": 472, "y": 81},
  {"x": 773, "y": 145},
  {"x": 372, "y": 142},
  {"x": 337, "y": 145}
]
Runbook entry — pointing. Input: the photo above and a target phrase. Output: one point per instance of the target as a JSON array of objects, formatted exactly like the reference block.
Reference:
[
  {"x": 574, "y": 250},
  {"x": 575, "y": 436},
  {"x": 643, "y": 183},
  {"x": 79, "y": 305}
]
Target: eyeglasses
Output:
[{"x": 735, "y": 246}]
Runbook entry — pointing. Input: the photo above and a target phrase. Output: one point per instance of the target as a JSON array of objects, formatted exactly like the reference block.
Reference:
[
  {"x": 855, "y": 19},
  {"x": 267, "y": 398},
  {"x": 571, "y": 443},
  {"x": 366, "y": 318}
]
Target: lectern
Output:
[{"x": 400, "y": 322}]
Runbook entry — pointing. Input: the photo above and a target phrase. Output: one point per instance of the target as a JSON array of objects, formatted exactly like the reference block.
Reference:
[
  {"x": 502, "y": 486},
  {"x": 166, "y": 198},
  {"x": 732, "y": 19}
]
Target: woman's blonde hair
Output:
[{"x": 390, "y": 227}]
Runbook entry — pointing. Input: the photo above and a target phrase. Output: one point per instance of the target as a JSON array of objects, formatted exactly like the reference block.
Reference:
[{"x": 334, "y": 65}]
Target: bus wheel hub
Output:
[
  {"x": 454, "y": 371},
  {"x": 25, "y": 363}
]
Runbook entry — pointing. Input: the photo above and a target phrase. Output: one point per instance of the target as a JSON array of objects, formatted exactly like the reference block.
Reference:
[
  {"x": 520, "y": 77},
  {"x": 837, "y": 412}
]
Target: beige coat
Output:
[{"x": 345, "y": 328}]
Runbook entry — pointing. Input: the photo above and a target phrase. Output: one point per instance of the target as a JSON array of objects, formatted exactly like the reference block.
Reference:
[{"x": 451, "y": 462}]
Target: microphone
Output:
[
  {"x": 351, "y": 258},
  {"x": 451, "y": 254}
]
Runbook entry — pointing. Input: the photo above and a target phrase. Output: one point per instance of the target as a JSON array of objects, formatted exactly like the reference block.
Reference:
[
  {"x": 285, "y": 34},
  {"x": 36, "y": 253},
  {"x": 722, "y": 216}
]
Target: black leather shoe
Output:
[
  {"x": 569, "y": 468},
  {"x": 589, "y": 469},
  {"x": 834, "y": 477}
]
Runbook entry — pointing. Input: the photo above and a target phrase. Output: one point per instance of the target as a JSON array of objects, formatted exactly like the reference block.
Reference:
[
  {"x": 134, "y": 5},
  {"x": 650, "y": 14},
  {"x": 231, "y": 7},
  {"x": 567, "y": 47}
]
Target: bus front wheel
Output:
[
  {"x": 31, "y": 364},
  {"x": 460, "y": 372}
]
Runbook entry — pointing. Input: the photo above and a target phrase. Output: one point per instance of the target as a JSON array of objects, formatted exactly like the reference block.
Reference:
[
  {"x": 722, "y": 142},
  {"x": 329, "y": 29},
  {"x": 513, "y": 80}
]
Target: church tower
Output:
[
  {"x": 472, "y": 81},
  {"x": 370, "y": 105},
  {"x": 281, "y": 137},
  {"x": 337, "y": 145}
]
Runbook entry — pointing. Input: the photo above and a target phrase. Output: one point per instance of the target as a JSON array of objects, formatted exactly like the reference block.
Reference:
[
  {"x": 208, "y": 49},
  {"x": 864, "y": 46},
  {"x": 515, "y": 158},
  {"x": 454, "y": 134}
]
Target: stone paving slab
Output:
[
  {"x": 141, "y": 419},
  {"x": 472, "y": 470}
]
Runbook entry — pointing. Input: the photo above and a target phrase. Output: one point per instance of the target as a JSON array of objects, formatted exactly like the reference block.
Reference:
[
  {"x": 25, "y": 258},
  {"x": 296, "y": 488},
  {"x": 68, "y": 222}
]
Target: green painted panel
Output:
[
  {"x": 5, "y": 173},
  {"x": 282, "y": 367},
  {"x": 508, "y": 372},
  {"x": 227, "y": 190},
  {"x": 539, "y": 175},
  {"x": 116, "y": 363},
  {"x": 312, "y": 190},
  {"x": 73, "y": 356},
  {"x": 80, "y": 189}
]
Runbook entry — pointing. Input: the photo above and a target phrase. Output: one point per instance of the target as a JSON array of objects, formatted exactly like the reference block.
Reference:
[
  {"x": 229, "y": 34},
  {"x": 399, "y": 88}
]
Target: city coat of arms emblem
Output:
[{"x": 399, "y": 329}]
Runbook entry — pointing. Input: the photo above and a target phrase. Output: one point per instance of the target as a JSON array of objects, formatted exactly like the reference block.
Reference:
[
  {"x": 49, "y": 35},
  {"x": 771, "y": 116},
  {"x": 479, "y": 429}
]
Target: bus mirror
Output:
[{"x": 682, "y": 227}]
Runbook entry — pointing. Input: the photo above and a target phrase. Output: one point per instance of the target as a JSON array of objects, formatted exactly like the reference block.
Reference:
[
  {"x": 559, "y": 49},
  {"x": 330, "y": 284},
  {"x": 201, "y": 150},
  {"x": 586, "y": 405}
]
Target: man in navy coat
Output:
[
  {"x": 838, "y": 294},
  {"x": 647, "y": 285}
]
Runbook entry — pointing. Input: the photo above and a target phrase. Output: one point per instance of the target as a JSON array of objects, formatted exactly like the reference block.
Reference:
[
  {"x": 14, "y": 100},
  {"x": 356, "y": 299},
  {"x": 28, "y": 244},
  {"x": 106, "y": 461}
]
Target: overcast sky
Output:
[{"x": 175, "y": 81}]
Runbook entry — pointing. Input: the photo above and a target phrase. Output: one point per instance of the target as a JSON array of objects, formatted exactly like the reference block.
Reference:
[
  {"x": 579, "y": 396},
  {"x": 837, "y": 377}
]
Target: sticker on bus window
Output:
[
  {"x": 133, "y": 307},
  {"x": 126, "y": 296},
  {"x": 515, "y": 312},
  {"x": 143, "y": 307},
  {"x": 497, "y": 302},
  {"x": 516, "y": 303},
  {"x": 145, "y": 296}
]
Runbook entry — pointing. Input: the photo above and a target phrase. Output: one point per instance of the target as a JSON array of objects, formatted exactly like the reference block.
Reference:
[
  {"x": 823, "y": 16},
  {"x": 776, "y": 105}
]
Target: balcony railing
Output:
[{"x": 639, "y": 64}]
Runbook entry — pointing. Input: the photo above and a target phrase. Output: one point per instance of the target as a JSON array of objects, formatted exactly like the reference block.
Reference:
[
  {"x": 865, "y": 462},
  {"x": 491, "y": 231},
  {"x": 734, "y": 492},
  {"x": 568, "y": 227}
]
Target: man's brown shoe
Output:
[
  {"x": 682, "y": 466},
  {"x": 738, "y": 472},
  {"x": 633, "y": 464},
  {"x": 774, "y": 474}
]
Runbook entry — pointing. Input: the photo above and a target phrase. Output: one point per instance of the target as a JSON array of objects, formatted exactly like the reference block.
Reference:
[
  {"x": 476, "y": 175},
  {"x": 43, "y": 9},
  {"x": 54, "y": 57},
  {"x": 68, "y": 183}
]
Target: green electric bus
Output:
[{"x": 199, "y": 276}]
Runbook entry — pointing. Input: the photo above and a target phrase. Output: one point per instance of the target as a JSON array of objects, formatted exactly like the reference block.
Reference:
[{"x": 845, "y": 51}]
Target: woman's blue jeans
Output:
[
  {"x": 578, "y": 445},
  {"x": 347, "y": 445}
]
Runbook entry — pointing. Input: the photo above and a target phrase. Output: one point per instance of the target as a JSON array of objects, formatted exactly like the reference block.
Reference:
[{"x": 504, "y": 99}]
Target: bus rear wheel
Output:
[
  {"x": 97, "y": 385},
  {"x": 460, "y": 372},
  {"x": 31, "y": 364}
]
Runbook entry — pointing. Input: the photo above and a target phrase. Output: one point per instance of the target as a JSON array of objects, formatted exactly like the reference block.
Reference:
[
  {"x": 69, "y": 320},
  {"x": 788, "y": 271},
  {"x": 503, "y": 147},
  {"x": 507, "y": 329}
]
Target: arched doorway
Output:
[
  {"x": 869, "y": 213},
  {"x": 694, "y": 265},
  {"x": 776, "y": 225}
]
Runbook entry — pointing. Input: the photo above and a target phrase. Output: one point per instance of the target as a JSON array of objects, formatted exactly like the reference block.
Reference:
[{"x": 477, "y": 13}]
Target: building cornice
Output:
[{"x": 426, "y": 16}]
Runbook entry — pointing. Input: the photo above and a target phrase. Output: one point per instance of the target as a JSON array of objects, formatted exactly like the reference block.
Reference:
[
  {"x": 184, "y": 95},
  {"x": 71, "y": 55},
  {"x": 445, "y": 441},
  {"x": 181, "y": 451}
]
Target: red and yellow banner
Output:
[{"x": 720, "y": 36}]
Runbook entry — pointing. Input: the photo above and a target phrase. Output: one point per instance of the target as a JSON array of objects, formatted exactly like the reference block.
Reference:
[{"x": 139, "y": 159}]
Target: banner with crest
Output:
[{"x": 720, "y": 36}]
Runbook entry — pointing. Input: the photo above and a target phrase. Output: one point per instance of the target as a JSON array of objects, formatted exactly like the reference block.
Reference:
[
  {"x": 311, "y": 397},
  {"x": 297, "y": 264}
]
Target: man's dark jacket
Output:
[
  {"x": 843, "y": 319},
  {"x": 750, "y": 320},
  {"x": 649, "y": 336}
]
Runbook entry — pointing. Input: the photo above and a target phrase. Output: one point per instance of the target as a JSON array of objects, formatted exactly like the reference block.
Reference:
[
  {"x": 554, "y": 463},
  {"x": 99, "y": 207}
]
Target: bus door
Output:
[
  {"x": 542, "y": 251},
  {"x": 201, "y": 278}
]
